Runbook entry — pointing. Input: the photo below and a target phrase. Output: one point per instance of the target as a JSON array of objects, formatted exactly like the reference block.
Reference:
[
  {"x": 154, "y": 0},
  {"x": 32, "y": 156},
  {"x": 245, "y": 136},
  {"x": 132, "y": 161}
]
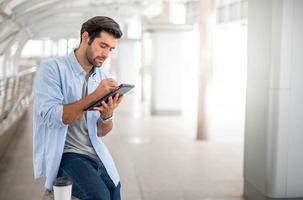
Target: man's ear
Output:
[{"x": 85, "y": 37}]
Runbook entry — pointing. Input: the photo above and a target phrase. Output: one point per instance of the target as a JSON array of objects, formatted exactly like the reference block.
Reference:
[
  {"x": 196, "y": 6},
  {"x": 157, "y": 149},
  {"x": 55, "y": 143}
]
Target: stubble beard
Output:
[{"x": 90, "y": 58}]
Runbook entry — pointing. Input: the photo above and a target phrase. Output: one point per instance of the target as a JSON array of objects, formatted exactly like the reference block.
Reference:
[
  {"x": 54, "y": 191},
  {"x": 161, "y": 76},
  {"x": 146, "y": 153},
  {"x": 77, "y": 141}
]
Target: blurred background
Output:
[{"x": 216, "y": 112}]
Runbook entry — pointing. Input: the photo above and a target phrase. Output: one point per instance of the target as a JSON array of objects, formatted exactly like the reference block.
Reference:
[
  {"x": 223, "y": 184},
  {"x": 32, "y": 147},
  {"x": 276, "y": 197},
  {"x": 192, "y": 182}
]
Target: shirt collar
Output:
[
  {"x": 92, "y": 72},
  {"x": 75, "y": 64}
]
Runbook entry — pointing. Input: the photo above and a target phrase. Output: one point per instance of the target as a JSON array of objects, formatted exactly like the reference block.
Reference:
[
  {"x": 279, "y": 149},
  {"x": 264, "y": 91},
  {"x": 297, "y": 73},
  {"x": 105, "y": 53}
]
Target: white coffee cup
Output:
[{"x": 63, "y": 188}]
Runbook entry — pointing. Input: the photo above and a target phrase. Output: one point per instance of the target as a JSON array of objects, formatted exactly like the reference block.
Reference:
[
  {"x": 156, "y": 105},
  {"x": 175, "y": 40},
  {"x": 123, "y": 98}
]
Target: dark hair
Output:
[{"x": 98, "y": 24}]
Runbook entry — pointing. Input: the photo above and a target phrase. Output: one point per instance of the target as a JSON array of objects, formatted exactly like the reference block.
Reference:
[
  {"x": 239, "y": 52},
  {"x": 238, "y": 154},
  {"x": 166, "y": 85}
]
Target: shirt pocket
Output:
[
  {"x": 74, "y": 90},
  {"x": 92, "y": 85}
]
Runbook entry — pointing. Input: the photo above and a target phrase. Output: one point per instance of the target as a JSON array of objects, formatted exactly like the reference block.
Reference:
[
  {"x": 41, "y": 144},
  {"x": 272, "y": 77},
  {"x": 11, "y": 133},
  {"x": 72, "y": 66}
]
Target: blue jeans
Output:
[{"x": 90, "y": 178}]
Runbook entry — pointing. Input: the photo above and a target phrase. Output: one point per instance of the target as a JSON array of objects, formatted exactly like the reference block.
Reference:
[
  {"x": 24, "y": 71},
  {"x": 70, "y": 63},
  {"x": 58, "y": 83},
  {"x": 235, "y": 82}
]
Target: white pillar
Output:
[
  {"x": 167, "y": 67},
  {"x": 206, "y": 22},
  {"x": 143, "y": 67},
  {"x": 273, "y": 159},
  {"x": 128, "y": 61}
]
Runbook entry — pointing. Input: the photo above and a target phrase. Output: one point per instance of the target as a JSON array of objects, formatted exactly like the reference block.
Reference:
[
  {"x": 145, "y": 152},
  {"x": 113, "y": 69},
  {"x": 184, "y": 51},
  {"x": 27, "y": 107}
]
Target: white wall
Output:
[{"x": 273, "y": 160}]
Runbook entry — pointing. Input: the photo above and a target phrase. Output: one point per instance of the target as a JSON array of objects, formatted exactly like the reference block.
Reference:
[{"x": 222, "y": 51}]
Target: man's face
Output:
[{"x": 98, "y": 51}]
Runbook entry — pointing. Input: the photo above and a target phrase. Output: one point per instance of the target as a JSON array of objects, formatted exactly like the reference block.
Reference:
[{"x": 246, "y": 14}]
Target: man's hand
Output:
[
  {"x": 105, "y": 86},
  {"x": 108, "y": 108},
  {"x": 74, "y": 111}
]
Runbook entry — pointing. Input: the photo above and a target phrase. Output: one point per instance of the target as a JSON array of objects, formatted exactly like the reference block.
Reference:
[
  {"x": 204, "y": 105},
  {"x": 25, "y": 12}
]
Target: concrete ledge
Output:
[{"x": 252, "y": 193}]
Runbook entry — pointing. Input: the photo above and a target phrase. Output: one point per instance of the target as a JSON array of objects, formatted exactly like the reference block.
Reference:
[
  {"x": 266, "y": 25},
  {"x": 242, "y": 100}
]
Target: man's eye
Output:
[{"x": 103, "y": 46}]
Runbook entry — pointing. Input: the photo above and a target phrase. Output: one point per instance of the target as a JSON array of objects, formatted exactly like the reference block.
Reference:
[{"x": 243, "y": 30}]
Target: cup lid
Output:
[{"x": 63, "y": 181}]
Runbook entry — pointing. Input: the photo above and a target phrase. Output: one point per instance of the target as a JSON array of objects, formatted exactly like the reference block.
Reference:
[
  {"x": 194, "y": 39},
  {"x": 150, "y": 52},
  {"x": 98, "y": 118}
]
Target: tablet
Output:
[{"x": 121, "y": 89}]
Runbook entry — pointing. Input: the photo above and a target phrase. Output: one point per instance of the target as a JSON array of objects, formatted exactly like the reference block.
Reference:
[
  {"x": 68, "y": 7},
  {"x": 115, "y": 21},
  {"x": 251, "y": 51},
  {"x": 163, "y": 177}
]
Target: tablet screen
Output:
[{"x": 121, "y": 89}]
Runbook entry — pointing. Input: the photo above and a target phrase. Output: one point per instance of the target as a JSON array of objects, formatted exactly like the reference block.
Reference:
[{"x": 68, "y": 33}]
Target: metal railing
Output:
[{"x": 15, "y": 97}]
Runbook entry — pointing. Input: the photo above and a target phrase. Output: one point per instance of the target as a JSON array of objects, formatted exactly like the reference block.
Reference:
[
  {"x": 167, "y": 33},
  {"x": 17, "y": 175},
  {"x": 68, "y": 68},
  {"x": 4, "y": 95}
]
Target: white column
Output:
[
  {"x": 273, "y": 159},
  {"x": 128, "y": 61},
  {"x": 167, "y": 67},
  {"x": 143, "y": 67},
  {"x": 206, "y": 22}
]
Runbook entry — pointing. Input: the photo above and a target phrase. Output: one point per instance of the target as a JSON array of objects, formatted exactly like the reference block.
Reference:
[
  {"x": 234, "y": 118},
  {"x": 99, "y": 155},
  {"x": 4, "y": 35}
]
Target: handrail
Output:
[
  {"x": 15, "y": 96},
  {"x": 27, "y": 71}
]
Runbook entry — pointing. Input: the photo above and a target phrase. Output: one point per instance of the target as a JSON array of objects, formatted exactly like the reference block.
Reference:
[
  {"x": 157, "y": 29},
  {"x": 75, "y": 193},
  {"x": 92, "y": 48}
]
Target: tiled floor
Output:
[{"x": 157, "y": 157}]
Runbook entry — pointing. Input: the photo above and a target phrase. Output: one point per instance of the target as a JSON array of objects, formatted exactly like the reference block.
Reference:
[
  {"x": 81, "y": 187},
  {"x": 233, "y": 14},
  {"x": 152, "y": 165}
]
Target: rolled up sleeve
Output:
[{"x": 48, "y": 96}]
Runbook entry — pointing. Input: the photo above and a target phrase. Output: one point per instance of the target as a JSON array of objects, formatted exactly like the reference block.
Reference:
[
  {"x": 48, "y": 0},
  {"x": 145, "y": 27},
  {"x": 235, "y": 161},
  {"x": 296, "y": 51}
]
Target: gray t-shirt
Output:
[{"x": 77, "y": 139}]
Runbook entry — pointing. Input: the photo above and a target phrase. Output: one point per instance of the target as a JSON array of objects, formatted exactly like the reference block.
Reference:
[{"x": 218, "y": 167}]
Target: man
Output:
[{"x": 66, "y": 138}]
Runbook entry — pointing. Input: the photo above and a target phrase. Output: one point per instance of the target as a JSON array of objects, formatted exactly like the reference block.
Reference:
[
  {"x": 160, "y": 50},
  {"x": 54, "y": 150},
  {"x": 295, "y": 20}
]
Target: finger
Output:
[
  {"x": 112, "y": 82},
  {"x": 120, "y": 99},
  {"x": 100, "y": 108},
  {"x": 110, "y": 101},
  {"x": 116, "y": 83},
  {"x": 110, "y": 88},
  {"x": 104, "y": 105},
  {"x": 109, "y": 82},
  {"x": 116, "y": 97}
]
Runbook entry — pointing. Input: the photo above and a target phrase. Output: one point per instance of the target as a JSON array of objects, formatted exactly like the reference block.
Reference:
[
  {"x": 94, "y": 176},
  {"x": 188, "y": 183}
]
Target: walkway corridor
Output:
[{"x": 157, "y": 156}]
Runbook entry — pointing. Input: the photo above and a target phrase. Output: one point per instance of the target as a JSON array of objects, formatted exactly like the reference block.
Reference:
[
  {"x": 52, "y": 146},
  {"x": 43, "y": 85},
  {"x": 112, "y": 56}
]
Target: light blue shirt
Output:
[{"x": 59, "y": 81}]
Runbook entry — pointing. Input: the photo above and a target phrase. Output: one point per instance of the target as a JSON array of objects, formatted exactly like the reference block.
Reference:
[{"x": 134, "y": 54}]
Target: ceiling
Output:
[
  {"x": 22, "y": 20},
  {"x": 63, "y": 18}
]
